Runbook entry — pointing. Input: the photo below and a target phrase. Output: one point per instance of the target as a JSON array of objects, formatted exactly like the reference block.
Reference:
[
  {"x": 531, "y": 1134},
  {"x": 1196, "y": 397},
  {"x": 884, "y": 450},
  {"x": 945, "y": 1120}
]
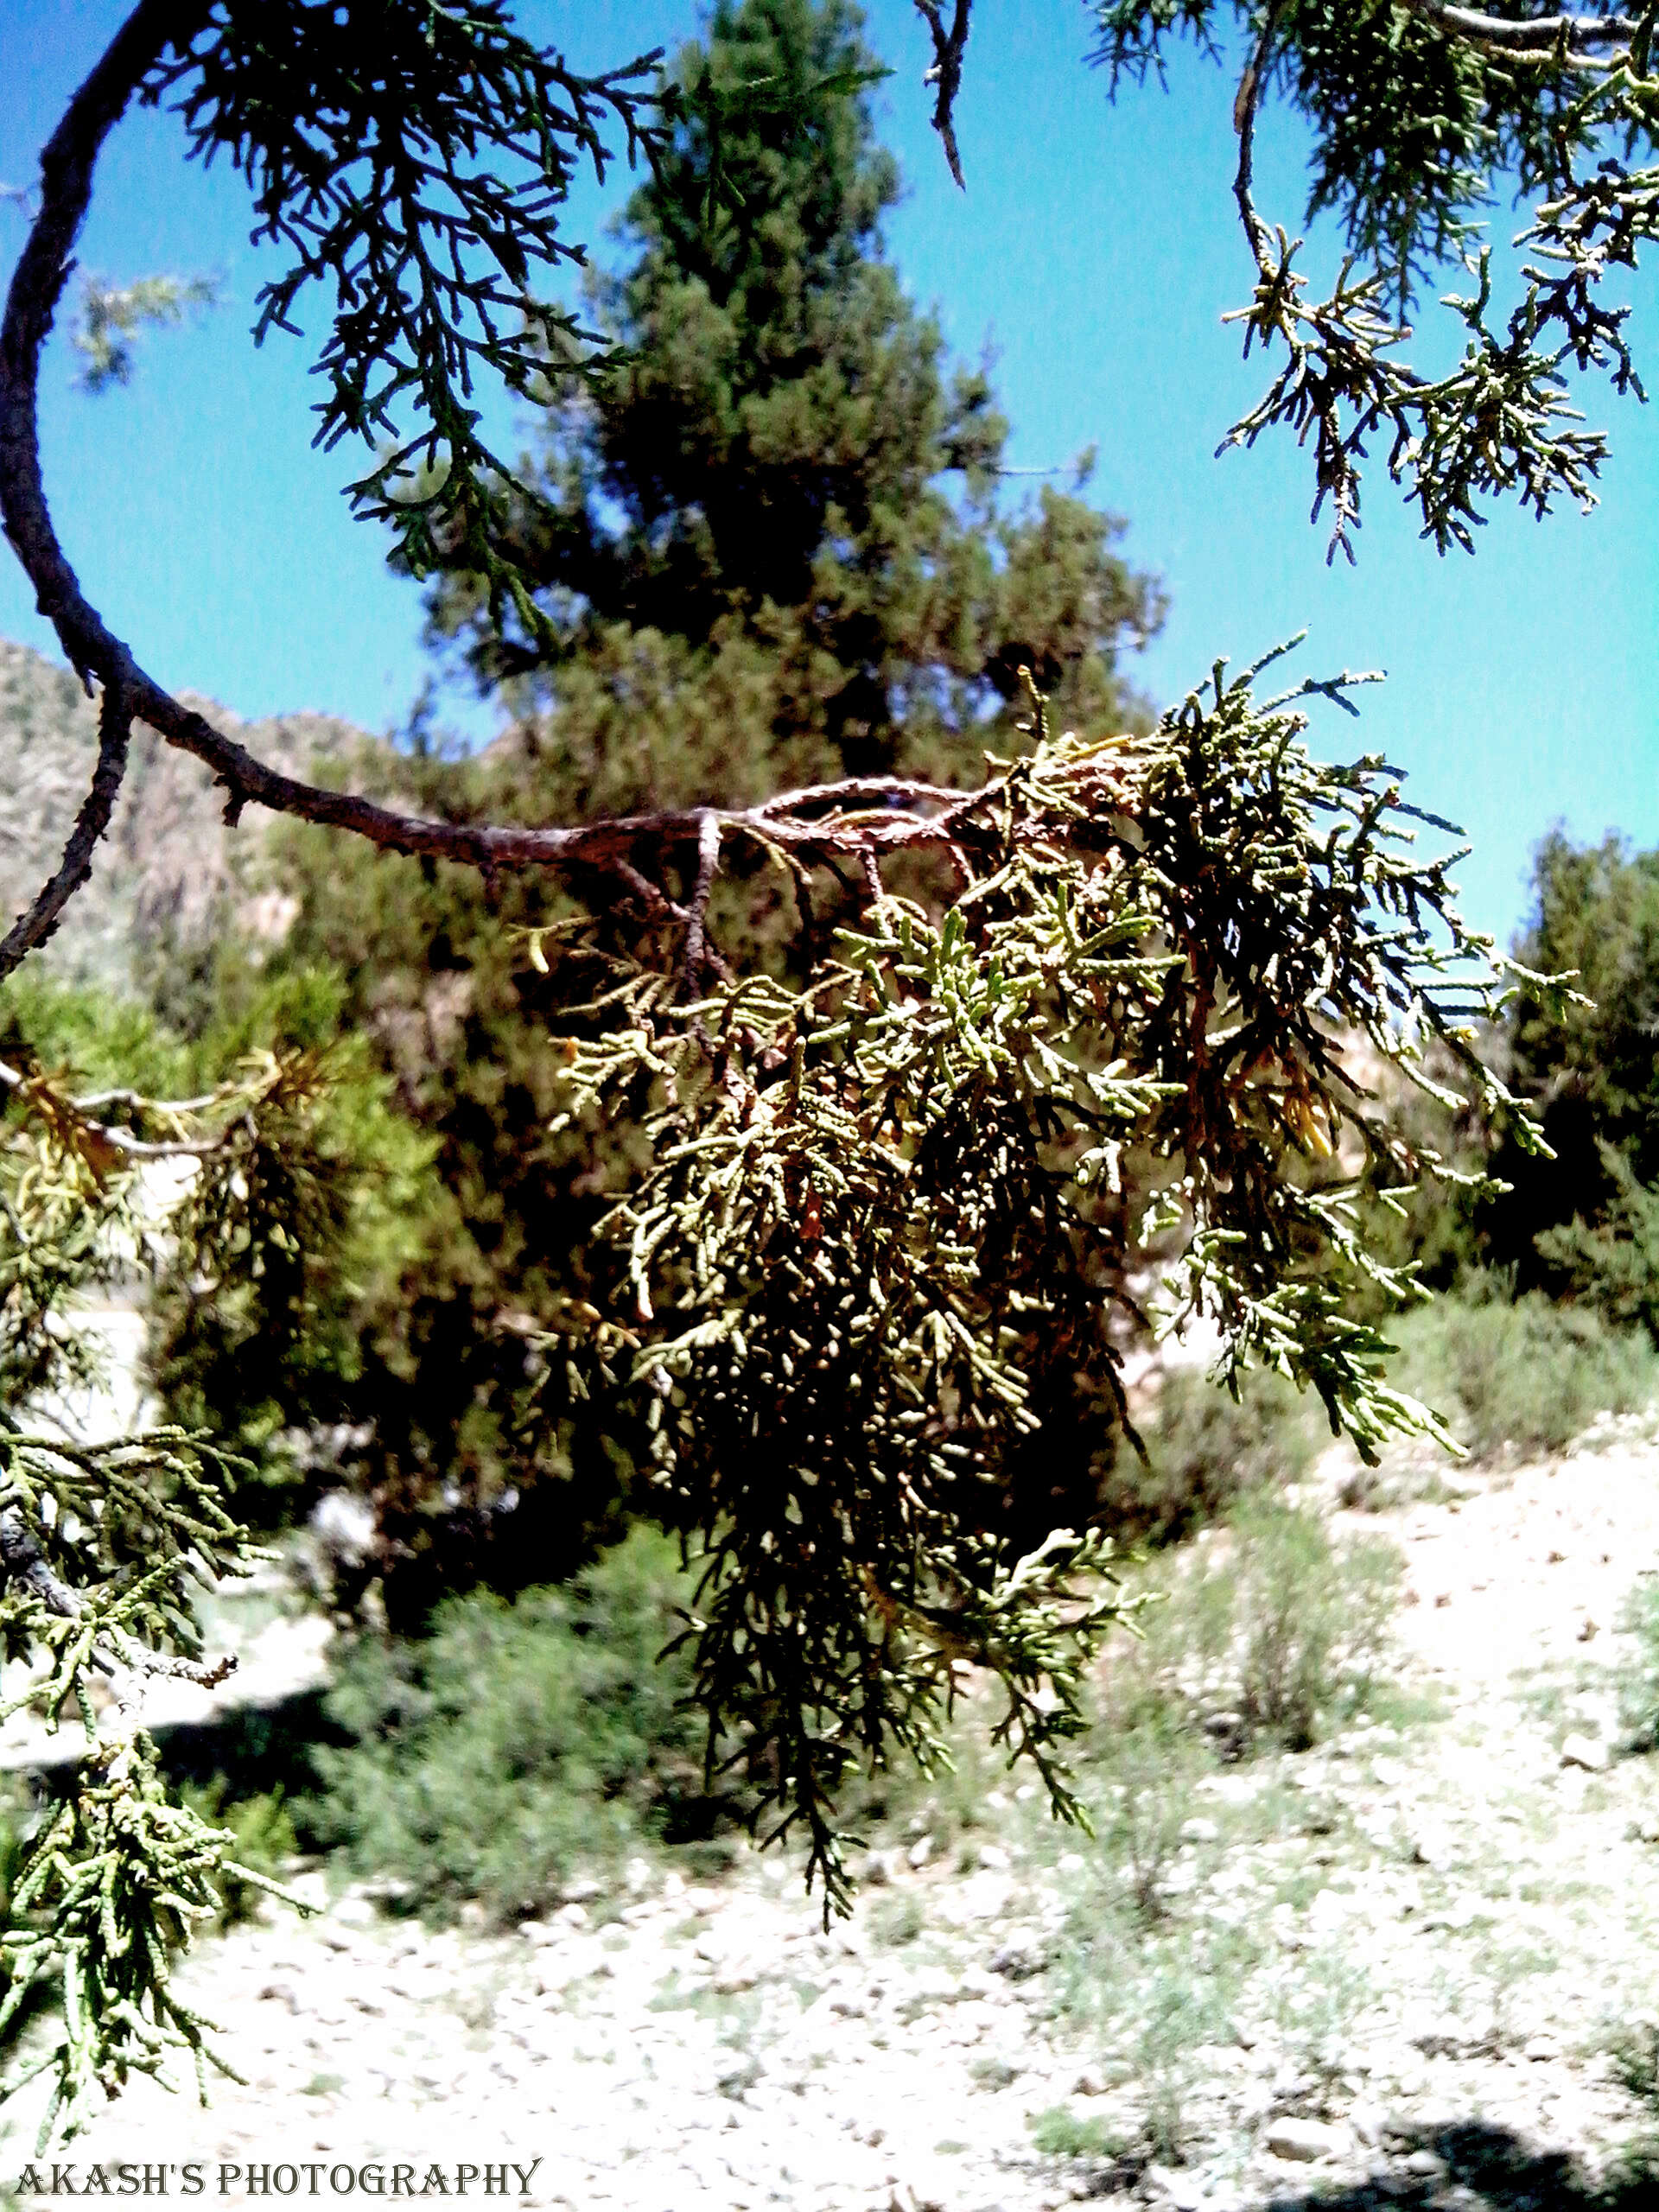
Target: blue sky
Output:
[{"x": 1095, "y": 250}]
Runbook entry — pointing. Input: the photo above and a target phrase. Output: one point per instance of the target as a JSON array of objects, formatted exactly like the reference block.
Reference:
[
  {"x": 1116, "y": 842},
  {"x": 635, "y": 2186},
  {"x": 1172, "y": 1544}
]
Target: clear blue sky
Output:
[{"x": 1095, "y": 248}]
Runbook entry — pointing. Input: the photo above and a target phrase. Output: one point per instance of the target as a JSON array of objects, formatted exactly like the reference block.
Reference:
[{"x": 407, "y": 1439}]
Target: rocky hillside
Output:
[{"x": 169, "y": 860}]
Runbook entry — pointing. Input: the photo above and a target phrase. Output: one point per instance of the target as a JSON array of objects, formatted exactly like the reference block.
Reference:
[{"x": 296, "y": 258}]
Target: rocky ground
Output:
[{"x": 1397, "y": 1966}]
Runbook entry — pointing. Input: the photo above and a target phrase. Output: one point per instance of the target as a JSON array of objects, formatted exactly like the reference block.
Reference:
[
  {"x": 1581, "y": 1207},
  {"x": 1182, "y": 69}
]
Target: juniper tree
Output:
[
  {"x": 772, "y": 545},
  {"x": 860, "y": 1189}
]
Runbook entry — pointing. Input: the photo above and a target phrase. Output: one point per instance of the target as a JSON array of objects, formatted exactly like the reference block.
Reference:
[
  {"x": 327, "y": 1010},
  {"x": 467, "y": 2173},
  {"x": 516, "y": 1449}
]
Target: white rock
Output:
[
  {"x": 1183, "y": 2190},
  {"x": 1585, "y": 1751},
  {"x": 1304, "y": 2140}
]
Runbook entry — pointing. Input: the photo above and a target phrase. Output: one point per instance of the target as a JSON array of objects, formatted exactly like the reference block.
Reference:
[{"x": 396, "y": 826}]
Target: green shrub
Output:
[
  {"x": 1527, "y": 1376},
  {"x": 1204, "y": 1449},
  {"x": 1060, "y": 2133},
  {"x": 517, "y": 1742},
  {"x": 1273, "y": 1622},
  {"x": 1183, "y": 2014},
  {"x": 1308, "y": 1620},
  {"x": 1149, "y": 1769}
]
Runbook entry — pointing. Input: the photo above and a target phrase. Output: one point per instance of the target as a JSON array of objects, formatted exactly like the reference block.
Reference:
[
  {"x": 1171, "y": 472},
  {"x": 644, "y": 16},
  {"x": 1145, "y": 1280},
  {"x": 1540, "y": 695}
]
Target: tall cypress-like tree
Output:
[{"x": 772, "y": 545}]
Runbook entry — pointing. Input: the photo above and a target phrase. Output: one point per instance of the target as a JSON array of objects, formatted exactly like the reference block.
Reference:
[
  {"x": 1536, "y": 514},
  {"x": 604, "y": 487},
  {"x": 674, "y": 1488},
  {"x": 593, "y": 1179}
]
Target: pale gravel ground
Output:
[{"x": 1475, "y": 1917}]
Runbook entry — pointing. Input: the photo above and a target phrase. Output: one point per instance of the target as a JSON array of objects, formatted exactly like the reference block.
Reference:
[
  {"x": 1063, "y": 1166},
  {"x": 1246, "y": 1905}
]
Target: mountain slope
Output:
[{"x": 169, "y": 861}]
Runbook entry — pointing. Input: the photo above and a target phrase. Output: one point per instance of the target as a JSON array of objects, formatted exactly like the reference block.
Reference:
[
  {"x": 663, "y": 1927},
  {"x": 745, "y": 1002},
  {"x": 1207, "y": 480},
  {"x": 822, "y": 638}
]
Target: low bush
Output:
[
  {"x": 518, "y": 1742},
  {"x": 1310, "y": 1622},
  {"x": 1638, "y": 1688},
  {"x": 1524, "y": 1375},
  {"x": 1204, "y": 1449},
  {"x": 1058, "y": 2133},
  {"x": 1149, "y": 1770},
  {"x": 1272, "y": 1624}
]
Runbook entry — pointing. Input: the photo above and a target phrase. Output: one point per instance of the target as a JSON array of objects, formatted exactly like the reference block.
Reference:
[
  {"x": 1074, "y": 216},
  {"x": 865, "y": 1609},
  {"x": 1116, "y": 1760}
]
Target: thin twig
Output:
[
  {"x": 696, "y": 958},
  {"x": 1245, "y": 103},
  {"x": 947, "y": 74}
]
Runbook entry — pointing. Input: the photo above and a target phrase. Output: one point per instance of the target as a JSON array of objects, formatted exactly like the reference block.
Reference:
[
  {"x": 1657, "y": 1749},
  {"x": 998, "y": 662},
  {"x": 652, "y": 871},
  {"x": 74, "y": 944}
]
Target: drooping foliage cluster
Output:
[
  {"x": 362, "y": 153},
  {"x": 105, "y": 1538},
  {"x": 876, "y": 1224},
  {"x": 1425, "y": 116}
]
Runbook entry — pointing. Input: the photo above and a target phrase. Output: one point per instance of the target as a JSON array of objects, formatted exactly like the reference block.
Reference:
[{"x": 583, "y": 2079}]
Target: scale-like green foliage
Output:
[
  {"x": 877, "y": 1207},
  {"x": 362, "y": 147},
  {"x": 104, "y": 1543},
  {"x": 1422, "y": 114}
]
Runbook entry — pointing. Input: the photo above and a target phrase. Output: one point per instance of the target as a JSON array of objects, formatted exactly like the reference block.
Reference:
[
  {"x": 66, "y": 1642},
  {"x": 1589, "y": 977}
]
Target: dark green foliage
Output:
[
  {"x": 1582, "y": 1224},
  {"x": 778, "y": 496},
  {"x": 1597, "y": 917},
  {"x": 1613, "y": 1262},
  {"x": 518, "y": 1744}
]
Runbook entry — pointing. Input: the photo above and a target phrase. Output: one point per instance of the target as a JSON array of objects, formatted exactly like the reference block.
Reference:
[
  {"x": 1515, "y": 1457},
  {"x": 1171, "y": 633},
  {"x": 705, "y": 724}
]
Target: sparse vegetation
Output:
[
  {"x": 1525, "y": 1377},
  {"x": 1205, "y": 1449}
]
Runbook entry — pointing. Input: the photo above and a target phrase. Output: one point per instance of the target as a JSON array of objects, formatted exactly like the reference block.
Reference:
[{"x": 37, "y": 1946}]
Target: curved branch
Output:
[
  {"x": 32, "y": 928},
  {"x": 1538, "y": 38},
  {"x": 37, "y": 288}
]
